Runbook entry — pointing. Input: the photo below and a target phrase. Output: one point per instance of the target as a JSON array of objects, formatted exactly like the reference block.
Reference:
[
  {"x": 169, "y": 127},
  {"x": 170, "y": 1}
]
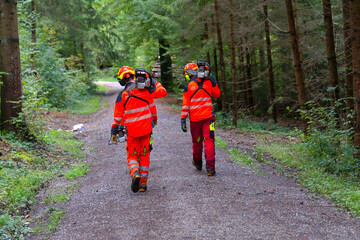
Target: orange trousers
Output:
[{"x": 138, "y": 156}]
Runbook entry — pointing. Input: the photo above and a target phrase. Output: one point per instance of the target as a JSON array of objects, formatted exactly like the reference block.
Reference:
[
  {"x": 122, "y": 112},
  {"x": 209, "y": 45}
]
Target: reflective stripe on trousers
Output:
[{"x": 138, "y": 154}]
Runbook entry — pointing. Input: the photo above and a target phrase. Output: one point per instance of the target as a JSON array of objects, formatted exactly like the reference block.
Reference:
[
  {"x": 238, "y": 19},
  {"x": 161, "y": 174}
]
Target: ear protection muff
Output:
[{"x": 122, "y": 82}]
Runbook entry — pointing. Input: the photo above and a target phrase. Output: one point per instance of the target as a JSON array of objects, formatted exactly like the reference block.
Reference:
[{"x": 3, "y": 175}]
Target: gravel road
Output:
[{"x": 182, "y": 203}]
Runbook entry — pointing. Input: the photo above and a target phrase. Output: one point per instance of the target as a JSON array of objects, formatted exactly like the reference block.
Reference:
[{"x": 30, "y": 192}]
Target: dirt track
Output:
[{"x": 182, "y": 203}]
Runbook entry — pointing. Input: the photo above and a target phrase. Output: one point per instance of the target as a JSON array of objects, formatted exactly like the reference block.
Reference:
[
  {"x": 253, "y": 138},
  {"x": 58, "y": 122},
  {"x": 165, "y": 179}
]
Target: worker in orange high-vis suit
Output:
[
  {"x": 197, "y": 103},
  {"x": 136, "y": 111}
]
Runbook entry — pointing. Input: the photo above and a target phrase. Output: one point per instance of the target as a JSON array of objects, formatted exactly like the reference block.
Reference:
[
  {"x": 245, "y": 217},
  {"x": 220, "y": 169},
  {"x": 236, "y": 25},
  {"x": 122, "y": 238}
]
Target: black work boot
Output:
[
  {"x": 142, "y": 188},
  {"x": 135, "y": 182},
  {"x": 198, "y": 167}
]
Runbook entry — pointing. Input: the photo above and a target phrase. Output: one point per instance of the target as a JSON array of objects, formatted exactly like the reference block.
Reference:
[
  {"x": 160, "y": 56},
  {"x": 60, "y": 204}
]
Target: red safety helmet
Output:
[
  {"x": 125, "y": 72},
  {"x": 192, "y": 66}
]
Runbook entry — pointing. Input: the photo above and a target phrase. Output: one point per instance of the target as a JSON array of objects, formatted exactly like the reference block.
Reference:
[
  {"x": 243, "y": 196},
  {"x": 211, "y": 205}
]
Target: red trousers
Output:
[
  {"x": 200, "y": 132},
  {"x": 138, "y": 156}
]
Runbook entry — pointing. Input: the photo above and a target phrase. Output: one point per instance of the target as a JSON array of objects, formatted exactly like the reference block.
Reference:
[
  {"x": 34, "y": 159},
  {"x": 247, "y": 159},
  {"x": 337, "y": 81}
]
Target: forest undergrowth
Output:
[
  {"x": 28, "y": 166},
  {"x": 322, "y": 161}
]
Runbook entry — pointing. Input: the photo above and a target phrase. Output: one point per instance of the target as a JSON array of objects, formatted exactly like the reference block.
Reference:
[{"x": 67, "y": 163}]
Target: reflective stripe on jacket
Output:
[
  {"x": 136, "y": 111},
  {"x": 198, "y": 103}
]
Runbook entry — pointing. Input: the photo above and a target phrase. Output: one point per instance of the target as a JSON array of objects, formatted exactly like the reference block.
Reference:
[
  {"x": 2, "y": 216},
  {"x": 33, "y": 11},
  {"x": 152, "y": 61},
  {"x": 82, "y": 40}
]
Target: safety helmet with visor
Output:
[
  {"x": 124, "y": 74},
  {"x": 190, "y": 70}
]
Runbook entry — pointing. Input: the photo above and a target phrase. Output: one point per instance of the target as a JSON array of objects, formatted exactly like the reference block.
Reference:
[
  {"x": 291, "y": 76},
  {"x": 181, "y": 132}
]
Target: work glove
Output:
[
  {"x": 114, "y": 137},
  {"x": 213, "y": 81},
  {"x": 183, "y": 125},
  {"x": 152, "y": 81}
]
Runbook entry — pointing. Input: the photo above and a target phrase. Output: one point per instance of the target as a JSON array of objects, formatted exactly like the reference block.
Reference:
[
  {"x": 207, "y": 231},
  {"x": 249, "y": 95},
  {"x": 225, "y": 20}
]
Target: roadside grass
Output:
[
  {"x": 57, "y": 198},
  {"x": 48, "y": 222},
  {"x": 101, "y": 89},
  {"x": 107, "y": 79},
  {"x": 27, "y": 167},
  {"x": 78, "y": 170},
  {"x": 237, "y": 155},
  {"x": 67, "y": 141},
  {"x": 54, "y": 219},
  {"x": 246, "y": 124},
  {"x": 344, "y": 190},
  {"x": 90, "y": 103},
  {"x": 107, "y": 75}
]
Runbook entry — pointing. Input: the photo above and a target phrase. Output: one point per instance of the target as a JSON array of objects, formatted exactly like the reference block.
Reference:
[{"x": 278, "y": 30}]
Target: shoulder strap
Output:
[
  {"x": 128, "y": 90},
  {"x": 200, "y": 86}
]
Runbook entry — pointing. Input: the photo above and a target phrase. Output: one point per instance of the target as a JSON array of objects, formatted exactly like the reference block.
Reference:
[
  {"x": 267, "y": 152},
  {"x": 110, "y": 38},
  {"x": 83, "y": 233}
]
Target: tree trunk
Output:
[
  {"x": 355, "y": 37},
  {"x": 216, "y": 74},
  {"x": 271, "y": 73},
  {"x": 297, "y": 24},
  {"x": 33, "y": 32},
  {"x": 216, "y": 68},
  {"x": 330, "y": 50},
  {"x": 165, "y": 64},
  {"x": 348, "y": 60},
  {"x": 221, "y": 56},
  {"x": 299, "y": 73},
  {"x": 242, "y": 74},
  {"x": 11, "y": 89},
  {"x": 207, "y": 39},
  {"x": 233, "y": 64},
  {"x": 83, "y": 62},
  {"x": 262, "y": 58},
  {"x": 248, "y": 85}
]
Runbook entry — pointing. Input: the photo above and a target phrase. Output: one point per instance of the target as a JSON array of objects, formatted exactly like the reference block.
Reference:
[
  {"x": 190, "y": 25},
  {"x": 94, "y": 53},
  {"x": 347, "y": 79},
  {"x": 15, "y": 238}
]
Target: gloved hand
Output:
[
  {"x": 114, "y": 131},
  {"x": 152, "y": 81},
  {"x": 183, "y": 125},
  {"x": 213, "y": 81}
]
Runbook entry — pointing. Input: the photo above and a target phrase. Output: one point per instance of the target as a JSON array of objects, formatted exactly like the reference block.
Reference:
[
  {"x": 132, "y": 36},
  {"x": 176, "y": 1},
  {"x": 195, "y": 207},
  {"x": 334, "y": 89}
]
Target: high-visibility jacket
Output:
[
  {"x": 135, "y": 109},
  {"x": 156, "y": 90},
  {"x": 197, "y": 100}
]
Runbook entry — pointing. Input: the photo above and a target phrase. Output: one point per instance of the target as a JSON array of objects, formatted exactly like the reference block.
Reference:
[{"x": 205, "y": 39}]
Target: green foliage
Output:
[
  {"x": 78, "y": 170},
  {"x": 326, "y": 144},
  {"x": 57, "y": 198},
  {"x": 220, "y": 143},
  {"x": 344, "y": 190},
  {"x": 107, "y": 75},
  {"x": 63, "y": 87},
  {"x": 89, "y": 104},
  {"x": 12, "y": 227},
  {"x": 245, "y": 123},
  {"x": 65, "y": 140},
  {"x": 26, "y": 168},
  {"x": 54, "y": 219},
  {"x": 239, "y": 156}
]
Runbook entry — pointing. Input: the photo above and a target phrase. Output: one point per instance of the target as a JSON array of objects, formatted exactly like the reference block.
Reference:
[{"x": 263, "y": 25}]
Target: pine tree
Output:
[{"x": 10, "y": 69}]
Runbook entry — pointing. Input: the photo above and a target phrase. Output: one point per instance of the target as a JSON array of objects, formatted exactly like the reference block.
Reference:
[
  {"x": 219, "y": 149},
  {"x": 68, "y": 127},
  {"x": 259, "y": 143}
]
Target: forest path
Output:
[{"x": 182, "y": 203}]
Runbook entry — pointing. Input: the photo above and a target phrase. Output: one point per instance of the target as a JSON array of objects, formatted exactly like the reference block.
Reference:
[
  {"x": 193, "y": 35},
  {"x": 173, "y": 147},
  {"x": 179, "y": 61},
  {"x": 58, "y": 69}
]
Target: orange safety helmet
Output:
[
  {"x": 125, "y": 72},
  {"x": 192, "y": 66}
]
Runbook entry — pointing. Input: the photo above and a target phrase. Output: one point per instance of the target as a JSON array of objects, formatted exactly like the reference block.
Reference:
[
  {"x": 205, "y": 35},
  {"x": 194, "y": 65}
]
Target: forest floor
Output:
[{"x": 181, "y": 202}]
